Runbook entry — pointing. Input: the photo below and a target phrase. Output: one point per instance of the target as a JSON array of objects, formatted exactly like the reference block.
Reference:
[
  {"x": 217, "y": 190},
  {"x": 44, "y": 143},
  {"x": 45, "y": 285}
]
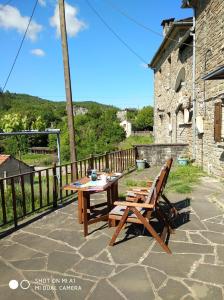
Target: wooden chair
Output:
[
  {"x": 142, "y": 212},
  {"x": 141, "y": 192}
]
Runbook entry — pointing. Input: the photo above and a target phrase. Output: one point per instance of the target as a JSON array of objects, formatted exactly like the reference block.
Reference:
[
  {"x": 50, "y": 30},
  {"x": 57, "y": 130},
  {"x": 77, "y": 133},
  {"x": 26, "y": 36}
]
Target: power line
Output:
[
  {"x": 115, "y": 34},
  {"x": 21, "y": 44},
  {"x": 116, "y": 8}
]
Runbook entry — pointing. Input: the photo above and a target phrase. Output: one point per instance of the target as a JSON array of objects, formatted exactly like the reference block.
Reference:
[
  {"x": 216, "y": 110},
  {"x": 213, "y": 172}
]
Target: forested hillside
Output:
[{"x": 97, "y": 131}]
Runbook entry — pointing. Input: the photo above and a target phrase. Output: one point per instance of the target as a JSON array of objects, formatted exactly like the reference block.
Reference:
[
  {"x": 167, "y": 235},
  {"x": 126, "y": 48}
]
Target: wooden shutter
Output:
[{"x": 218, "y": 122}]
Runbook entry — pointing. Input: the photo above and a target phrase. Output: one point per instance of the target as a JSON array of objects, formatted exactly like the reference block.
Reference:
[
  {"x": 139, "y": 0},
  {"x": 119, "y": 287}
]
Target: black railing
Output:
[{"x": 28, "y": 193}]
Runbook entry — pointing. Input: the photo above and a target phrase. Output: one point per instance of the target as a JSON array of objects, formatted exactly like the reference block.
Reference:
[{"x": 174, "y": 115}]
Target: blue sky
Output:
[{"x": 102, "y": 69}]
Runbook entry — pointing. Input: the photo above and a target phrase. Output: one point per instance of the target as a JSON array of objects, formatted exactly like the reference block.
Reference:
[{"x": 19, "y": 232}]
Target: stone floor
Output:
[{"x": 50, "y": 258}]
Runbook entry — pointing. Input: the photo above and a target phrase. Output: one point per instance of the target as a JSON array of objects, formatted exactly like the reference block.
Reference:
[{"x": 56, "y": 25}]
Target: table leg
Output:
[
  {"x": 84, "y": 212},
  {"x": 114, "y": 196},
  {"x": 80, "y": 208},
  {"x": 109, "y": 199}
]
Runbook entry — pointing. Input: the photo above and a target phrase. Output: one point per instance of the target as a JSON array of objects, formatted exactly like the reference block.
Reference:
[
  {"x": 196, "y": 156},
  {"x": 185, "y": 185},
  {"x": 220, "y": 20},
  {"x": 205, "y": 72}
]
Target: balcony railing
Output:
[{"x": 27, "y": 194}]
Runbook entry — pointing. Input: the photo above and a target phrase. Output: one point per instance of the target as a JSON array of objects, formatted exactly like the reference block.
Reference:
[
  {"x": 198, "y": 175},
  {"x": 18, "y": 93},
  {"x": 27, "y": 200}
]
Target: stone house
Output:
[
  {"x": 172, "y": 65},
  {"x": 203, "y": 90},
  {"x": 10, "y": 166},
  {"x": 209, "y": 83},
  {"x": 127, "y": 127}
]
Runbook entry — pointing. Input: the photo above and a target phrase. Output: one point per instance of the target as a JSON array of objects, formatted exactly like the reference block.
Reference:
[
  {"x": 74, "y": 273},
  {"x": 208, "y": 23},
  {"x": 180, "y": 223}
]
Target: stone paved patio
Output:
[{"x": 59, "y": 263}]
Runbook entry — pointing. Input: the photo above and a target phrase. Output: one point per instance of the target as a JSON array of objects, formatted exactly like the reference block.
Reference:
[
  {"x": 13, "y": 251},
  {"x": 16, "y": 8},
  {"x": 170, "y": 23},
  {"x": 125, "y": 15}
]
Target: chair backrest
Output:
[
  {"x": 168, "y": 163},
  {"x": 159, "y": 183}
]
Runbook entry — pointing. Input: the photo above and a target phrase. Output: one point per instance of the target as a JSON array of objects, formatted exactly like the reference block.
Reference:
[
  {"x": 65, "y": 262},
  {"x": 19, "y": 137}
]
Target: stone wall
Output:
[
  {"x": 157, "y": 154},
  {"x": 168, "y": 119},
  {"x": 209, "y": 56},
  {"x": 142, "y": 133}
]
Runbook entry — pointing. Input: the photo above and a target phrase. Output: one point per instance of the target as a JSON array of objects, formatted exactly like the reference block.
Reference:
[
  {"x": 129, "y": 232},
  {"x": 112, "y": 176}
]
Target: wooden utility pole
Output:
[{"x": 68, "y": 89}]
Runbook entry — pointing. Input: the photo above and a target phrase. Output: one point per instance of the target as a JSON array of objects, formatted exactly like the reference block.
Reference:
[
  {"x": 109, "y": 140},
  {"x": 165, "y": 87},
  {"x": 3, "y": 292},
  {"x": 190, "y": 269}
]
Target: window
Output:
[{"x": 218, "y": 122}]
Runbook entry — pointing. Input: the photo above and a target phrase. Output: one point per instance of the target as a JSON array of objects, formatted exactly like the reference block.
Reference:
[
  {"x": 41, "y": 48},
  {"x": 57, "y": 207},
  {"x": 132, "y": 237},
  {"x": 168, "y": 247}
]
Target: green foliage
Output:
[
  {"x": 97, "y": 131},
  {"x": 13, "y": 122},
  {"x": 182, "y": 179},
  {"x": 144, "y": 119},
  {"x": 135, "y": 140},
  {"x": 38, "y": 124},
  {"x": 131, "y": 115}
]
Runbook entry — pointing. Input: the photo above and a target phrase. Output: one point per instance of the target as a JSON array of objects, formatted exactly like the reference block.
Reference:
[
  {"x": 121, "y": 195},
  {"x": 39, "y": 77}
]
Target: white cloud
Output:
[
  {"x": 11, "y": 18},
  {"x": 42, "y": 2},
  {"x": 144, "y": 66},
  {"x": 37, "y": 52},
  {"x": 73, "y": 24}
]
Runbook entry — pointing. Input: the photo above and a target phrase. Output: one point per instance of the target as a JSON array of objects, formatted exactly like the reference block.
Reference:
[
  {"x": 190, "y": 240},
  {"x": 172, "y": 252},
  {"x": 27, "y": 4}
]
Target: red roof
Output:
[{"x": 3, "y": 158}]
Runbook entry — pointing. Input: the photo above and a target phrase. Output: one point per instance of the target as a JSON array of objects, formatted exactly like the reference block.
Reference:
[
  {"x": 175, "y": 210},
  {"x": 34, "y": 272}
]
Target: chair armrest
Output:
[
  {"x": 141, "y": 193},
  {"x": 139, "y": 189},
  {"x": 133, "y": 204},
  {"x": 132, "y": 199}
]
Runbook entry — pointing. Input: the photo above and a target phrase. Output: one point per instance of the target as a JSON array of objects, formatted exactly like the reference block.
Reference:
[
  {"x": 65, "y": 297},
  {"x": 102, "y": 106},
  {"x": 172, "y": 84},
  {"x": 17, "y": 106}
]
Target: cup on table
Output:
[{"x": 93, "y": 175}]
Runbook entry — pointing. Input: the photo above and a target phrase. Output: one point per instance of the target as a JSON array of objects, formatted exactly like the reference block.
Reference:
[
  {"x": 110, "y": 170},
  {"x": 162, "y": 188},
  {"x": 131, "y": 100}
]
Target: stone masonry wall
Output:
[
  {"x": 165, "y": 97},
  {"x": 157, "y": 154},
  {"x": 209, "y": 56}
]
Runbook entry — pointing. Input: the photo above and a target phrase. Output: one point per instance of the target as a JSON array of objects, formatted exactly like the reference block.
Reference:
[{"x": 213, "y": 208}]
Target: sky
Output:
[{"x": 102, "y": 68}]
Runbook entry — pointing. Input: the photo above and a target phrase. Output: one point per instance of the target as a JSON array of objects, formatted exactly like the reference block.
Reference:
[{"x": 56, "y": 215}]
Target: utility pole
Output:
[{"x": 68, "y": 89}]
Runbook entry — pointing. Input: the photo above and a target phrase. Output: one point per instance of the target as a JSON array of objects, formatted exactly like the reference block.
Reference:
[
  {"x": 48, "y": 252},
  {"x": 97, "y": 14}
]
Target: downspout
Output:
[
  {"x": 155, "y": 110},
  {"x": 193, "y": 88}
]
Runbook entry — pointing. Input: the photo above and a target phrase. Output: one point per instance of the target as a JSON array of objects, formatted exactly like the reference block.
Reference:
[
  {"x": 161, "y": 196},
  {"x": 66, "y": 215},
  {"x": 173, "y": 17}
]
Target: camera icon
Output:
[{"x": 14, "y": 284}]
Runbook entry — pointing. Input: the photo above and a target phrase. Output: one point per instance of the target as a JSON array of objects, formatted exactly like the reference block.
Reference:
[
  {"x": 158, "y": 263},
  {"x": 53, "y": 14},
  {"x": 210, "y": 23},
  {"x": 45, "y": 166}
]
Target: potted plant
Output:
[
  {"x": 184, "y": 159},
  {"x": 140, "y": 163}
]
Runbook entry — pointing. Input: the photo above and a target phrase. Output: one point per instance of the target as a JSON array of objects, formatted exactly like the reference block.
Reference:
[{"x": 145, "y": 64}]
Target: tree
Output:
[{"x": 144, "y": 119}]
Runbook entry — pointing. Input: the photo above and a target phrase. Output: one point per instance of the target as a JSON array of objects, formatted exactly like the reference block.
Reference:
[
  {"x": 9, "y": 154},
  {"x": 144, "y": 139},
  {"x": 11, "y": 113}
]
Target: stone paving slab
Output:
[{"x": 53, "y": 257}]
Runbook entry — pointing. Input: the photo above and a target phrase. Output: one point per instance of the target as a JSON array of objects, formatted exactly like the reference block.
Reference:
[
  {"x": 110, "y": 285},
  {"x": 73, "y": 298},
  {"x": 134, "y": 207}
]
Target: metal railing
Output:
[{"x": 26, "y": 194}]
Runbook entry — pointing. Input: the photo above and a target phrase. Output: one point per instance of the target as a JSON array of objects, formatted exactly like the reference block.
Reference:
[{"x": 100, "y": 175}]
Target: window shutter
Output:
[{"x": 218, "y": 122}]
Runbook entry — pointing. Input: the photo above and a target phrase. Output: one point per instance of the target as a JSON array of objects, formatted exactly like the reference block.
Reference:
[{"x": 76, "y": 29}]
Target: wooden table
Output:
[{"x": 84, "y": 207}]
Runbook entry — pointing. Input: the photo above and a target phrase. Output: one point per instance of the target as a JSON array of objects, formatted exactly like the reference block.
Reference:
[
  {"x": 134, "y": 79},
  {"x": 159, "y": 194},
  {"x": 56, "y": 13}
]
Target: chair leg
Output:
[
  {"x": 151, "y": 230},
  {"x": 172, "y": 207},
  {"x": 119, "y": 227},
  {"x": 162, "y": 217}
]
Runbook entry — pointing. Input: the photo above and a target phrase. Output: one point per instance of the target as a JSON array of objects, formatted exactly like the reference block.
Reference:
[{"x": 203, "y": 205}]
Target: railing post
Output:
[
  {"x": 91, "y": 161},
  {"x": 136, "y": 153},
  {"x": 2, "y": 190},
  {"x": 55, "y": 186},
  {"x": 14, "y": 206},
  {"x": 107, "y": 160}
]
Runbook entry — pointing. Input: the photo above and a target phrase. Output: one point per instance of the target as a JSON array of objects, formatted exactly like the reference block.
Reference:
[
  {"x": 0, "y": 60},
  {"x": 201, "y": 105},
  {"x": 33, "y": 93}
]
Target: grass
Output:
[
  {"x": 135, "y": 140},
  {"x": 182, "y": 179},
  {"x": 38, "y": 159},
  {"x": 132, "y": 182}
]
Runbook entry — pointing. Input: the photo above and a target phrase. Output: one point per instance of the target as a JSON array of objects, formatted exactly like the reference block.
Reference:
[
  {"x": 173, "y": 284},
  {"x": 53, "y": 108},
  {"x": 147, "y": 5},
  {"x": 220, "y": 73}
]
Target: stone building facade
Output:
[
  {"x": 205, "y": 134},
  {"x": 172, "y": 65},
  {"x": 209, "y": 95}
]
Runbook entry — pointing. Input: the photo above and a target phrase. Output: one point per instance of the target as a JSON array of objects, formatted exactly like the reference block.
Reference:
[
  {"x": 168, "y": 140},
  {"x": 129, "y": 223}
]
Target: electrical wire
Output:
[
  {"x": 115, "y": 34},
  {"x": 21, "y": 44},
  {"x": 122, "y": 12}
]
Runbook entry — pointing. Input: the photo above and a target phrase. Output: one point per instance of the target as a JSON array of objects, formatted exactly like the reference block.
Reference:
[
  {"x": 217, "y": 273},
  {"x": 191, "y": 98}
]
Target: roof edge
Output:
[{"x": 166, "y": 38}]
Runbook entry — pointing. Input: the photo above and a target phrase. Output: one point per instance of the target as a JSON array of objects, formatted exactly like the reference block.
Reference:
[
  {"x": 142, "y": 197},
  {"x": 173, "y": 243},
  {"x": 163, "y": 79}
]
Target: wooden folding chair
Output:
[
  {"x": 142, "y": 213},
  {"x": 140, "y": 193}
]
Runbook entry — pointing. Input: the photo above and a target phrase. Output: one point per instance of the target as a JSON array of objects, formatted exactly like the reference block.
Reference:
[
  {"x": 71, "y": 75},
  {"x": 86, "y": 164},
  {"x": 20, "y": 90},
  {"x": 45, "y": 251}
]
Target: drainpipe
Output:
[{"x": 193, "y": 88}]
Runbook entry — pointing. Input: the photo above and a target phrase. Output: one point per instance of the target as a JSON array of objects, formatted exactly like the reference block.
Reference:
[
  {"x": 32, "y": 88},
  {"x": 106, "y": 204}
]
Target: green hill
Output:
[
  {"x": 20, "y": 103},
  {"x": 97, "y": 130}
]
